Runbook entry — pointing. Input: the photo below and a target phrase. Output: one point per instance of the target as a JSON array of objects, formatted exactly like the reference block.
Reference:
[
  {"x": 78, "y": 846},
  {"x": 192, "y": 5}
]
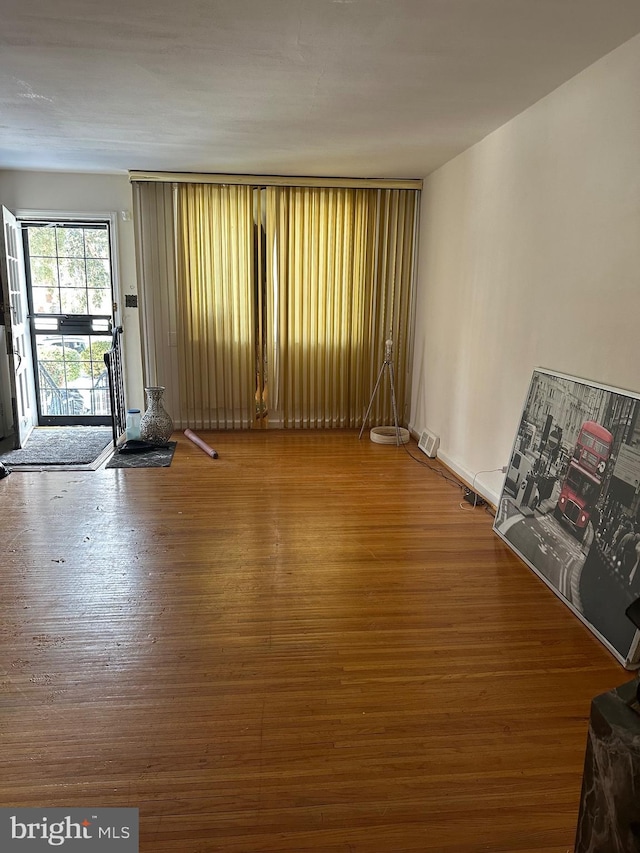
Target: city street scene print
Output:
[{"x": 570, "y": 505}]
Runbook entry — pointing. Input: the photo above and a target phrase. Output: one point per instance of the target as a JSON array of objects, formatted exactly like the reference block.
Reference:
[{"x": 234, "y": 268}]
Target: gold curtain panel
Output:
[
  {"x": 284, "y": 297},
  {"x": 216, "y": 305}
]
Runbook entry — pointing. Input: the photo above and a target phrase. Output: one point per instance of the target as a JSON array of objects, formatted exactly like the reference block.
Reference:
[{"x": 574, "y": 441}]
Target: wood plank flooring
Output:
[{"x": 305, "y": 645}]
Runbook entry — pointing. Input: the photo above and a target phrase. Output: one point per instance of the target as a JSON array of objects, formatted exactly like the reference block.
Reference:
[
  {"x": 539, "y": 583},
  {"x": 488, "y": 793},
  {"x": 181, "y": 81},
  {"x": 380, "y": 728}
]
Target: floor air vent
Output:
[{"x": 429, "y": 443}]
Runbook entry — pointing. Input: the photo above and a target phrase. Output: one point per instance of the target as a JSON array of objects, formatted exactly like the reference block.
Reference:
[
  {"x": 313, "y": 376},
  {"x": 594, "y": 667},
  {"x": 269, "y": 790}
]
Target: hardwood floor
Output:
[{"x": 307, "y": 644}]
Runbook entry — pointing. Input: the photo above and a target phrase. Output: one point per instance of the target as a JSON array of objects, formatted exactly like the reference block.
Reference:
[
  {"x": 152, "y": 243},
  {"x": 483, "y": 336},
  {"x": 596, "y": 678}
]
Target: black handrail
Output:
[
  {"x": 50, "y": 393},
  {"x": 113, "y": 361}
]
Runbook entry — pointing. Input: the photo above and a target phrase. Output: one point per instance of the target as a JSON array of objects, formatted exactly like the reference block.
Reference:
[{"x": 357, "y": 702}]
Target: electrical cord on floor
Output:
[
  {"x": 479, "y": 501},
  {"x": 441, "y": 473}
]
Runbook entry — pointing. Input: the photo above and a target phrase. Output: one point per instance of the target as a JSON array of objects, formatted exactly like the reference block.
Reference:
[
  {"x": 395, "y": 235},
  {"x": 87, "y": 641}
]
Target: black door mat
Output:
[{"x": 159, "y": 458}]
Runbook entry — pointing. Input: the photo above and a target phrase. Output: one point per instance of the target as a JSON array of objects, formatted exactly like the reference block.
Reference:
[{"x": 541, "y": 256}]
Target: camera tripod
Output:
[{"x": 388, "y": 365}]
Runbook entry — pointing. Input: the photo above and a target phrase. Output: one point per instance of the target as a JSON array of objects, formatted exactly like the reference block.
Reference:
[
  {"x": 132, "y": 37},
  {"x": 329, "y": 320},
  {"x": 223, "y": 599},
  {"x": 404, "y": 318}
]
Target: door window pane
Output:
[
  {"x": 70, "y": 242},
  {"x": 72, "y": 374},
  {"x": 100, "y": 301},
  {"x": 46, "y": 300},
  {"x": 96, "y": 242},
  {"x": 74, "y": 300},
  {"x": 42, "y": 241},
  {"x": 98, "y": 273},
  {"x": 70, "y": 274},
  {"x": 44, "y": 272}
]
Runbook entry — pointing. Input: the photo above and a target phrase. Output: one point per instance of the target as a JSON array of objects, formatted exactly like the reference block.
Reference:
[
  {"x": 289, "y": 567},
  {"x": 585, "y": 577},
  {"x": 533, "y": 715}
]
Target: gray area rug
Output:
[
  {"x": 160, "y": 458},
  {"x": 60, "y": 446}
]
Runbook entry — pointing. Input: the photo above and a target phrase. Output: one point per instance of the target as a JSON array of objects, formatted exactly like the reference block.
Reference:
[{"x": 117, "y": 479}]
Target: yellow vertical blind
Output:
[
  {"x": 316, "y": 237},
  {"x": 216, "y": 305},
  {"x": 280, "y": 300},
  {"x": 339, "y": 283},
  {"x": 390, "y": 271}
]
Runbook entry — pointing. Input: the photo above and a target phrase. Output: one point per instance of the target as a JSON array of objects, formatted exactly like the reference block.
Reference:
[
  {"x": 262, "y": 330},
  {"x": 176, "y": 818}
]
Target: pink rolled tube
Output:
[{"x": 201, "y": 444}]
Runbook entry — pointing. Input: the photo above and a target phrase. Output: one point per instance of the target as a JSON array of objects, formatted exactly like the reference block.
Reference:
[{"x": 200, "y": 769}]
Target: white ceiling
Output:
[{"x": 357, "y": 88}]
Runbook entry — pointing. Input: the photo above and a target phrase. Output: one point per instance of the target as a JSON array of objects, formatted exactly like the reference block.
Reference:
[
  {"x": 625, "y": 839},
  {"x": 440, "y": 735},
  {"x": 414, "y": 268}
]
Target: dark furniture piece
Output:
[{"x": 609, "y": 818}]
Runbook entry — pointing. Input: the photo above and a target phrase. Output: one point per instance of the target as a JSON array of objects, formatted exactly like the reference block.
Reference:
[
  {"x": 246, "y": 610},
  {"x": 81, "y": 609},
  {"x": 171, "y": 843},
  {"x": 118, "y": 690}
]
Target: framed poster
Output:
[{"x": 570, "y": 504}]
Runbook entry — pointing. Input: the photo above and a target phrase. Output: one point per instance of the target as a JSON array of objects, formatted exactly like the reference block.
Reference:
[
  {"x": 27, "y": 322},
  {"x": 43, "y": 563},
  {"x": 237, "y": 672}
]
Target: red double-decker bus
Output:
[{"x": 583, "y": 481}]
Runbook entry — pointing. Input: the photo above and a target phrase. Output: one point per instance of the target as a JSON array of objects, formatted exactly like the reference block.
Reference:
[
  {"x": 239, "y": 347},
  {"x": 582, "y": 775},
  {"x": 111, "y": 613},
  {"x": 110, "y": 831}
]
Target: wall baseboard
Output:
[{"x": 467, "y": 477}]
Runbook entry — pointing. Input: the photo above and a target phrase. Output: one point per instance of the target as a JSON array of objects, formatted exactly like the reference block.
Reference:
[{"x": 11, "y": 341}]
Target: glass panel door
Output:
[{"x": 70, "y": 302}]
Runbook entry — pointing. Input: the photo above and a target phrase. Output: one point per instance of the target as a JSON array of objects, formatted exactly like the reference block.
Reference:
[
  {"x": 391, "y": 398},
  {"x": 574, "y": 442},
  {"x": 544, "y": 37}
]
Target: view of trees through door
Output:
[{"x": 69, "y": 284}]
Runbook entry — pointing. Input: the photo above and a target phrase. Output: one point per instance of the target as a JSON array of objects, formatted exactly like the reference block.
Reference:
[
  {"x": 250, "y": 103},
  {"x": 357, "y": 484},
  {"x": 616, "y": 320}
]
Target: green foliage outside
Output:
[
  {"x": 96, "y": 352},
  {"x": 88, "y": 364},
  {"x": 68, "y": 242},
  {"x": 56, "y": 359},
  {"x": 70, "y": 270}
]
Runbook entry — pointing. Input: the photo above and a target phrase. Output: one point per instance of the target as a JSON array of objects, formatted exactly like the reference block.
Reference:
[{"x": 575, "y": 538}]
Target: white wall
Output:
[
  {"x": 530, "y": 257},
  {"x": 89, "y": 193}
]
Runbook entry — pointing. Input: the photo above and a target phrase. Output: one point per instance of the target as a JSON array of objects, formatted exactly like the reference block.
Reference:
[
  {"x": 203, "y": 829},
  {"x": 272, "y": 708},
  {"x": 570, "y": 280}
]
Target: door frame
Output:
[{"x": 30, "y": 215}]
